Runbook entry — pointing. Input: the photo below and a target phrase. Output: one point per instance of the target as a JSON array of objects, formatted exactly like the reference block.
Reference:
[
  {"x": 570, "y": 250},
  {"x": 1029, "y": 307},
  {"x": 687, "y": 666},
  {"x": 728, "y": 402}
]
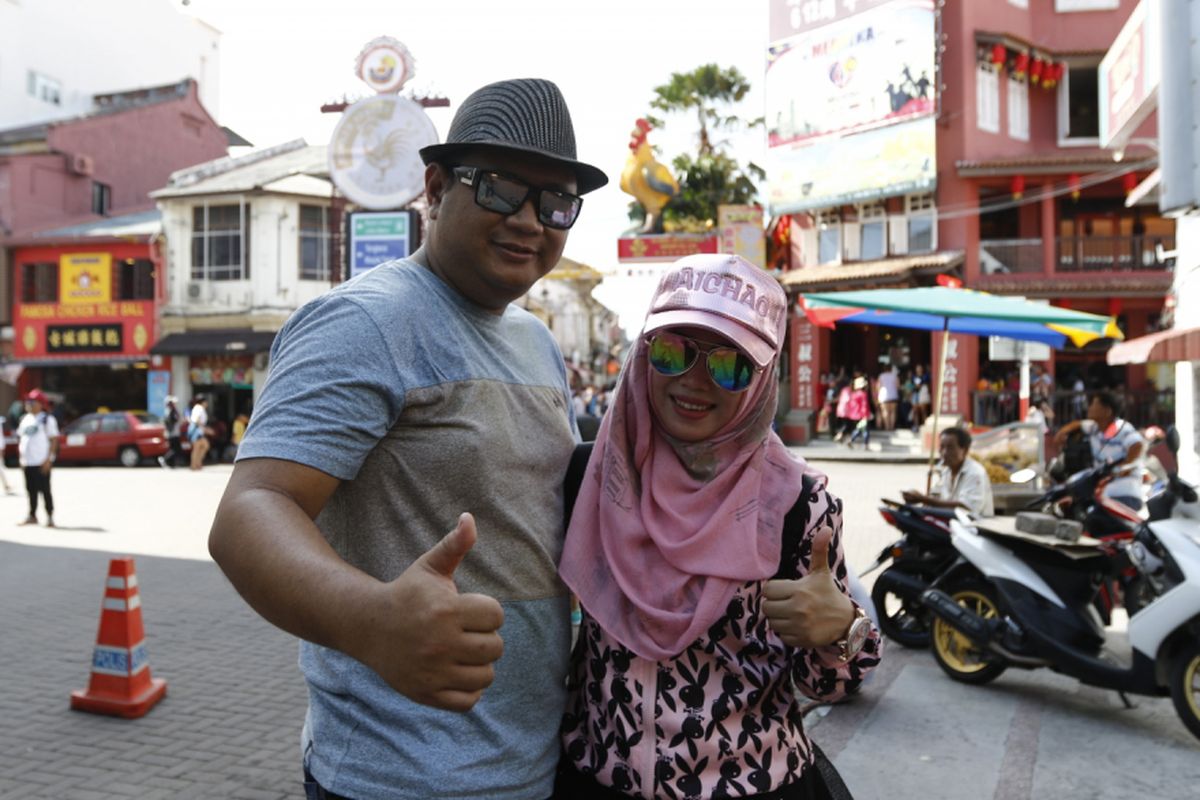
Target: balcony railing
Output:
[
  {"x": 1078, "y": 254},
  {"x": 1010, "y": 255},
  {"x": 1113, "y": 253},
  {"x": 1141, "y": 408}
]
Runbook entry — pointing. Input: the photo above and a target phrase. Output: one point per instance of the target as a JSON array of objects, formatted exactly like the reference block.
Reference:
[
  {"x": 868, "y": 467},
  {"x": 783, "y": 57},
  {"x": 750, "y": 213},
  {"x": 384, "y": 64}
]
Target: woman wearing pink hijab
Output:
[{"x": 708, "y": 563}]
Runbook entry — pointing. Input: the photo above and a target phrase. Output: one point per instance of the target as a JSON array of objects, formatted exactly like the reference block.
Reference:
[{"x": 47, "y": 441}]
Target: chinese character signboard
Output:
[
  {"x": 807, "y": 388},
  {"x": 666, "y": 247},
  {"x": 69, "y": 306},
  {"x": 851, "y": 97},
  {"x": 379, "y": 236},
  {"x": 1129, "y": 76},
  {"x": 741, "y": 232}
]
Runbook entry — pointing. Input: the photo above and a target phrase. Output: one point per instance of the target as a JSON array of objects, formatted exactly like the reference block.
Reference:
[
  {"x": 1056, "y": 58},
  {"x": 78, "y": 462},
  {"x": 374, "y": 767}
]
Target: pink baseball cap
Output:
[{"x": 725, "y": 294}]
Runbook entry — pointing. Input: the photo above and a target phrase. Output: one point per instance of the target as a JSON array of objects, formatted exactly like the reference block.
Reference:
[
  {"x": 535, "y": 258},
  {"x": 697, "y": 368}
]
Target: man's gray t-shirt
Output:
[{"x": 426, "y": 406}]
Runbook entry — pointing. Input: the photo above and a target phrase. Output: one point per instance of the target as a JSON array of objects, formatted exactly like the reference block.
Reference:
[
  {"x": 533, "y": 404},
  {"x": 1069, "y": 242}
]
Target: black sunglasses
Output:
[{"x": 505, "y": 195}]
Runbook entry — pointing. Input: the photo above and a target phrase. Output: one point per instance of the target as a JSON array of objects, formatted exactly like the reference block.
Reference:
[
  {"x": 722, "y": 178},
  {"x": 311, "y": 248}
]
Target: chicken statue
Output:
[{"x": 647, "y": 180}]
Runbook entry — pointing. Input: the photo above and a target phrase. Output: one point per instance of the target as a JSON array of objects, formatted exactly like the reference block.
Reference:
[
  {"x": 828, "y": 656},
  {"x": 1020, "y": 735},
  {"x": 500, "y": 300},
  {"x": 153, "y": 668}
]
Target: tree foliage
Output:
[{"x": 711, "y": 176}]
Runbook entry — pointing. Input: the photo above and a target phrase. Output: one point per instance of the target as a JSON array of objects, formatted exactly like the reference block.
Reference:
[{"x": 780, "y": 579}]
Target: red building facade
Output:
[
  {"x": 80, "y": 240},
  {"x": 1025, "y": 201}
]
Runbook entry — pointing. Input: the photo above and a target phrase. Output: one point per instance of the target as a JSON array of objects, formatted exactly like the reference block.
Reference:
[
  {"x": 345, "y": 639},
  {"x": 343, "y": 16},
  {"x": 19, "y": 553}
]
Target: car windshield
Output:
[
  {"x": 147, "y": 419},
  {"x": 85, "y": 424}
]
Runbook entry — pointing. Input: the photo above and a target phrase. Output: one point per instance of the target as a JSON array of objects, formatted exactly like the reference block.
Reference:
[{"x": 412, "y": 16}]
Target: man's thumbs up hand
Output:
[
  {"x": 434, "y": 645},
  {"x": 811, "y": 611}
]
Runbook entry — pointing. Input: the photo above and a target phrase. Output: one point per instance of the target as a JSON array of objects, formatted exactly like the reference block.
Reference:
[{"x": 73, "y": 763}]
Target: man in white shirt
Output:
[
  {"x": 889, "y": 397},
  {"x": 38, "y": 448},
  {"x": 1113, "y": 440},
  {"x": 962, "y": 481}
]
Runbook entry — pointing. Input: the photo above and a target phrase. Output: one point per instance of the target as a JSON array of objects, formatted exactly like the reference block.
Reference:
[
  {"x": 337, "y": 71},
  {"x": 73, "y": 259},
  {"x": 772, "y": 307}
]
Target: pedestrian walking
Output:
[
  {"x": 173, "y": 422},
  {"x": 708, "y": 564},
  {"x": 858, "y": 413},
  {"x": 198, "y": 431},
  {"x": 38, "y": 448},
  {"x": 889, "y": 397},
  {"x": 395, "y": 403}
]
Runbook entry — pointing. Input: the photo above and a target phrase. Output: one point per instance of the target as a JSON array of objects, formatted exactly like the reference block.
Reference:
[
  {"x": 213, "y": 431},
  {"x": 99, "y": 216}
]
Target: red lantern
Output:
[
  {"x": 1129, "y": 182},
  {"x": 998, "y": 55},
  {"x": 1035, "y": 70},
  {"x": 1018, "y": 186},
  {"x": 1052, "y": 74},
  {"x": 1021, "y": 65},
  {"x": 1075, "y": 184}
]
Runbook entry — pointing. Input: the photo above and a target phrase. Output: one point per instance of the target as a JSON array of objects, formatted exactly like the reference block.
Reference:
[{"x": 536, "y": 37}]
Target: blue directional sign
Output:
[{"x": 380, "y": 236}]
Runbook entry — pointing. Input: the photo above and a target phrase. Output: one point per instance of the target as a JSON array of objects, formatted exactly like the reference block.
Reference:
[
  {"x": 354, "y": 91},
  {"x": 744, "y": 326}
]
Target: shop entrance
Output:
[{"x": 86, "y": 388}]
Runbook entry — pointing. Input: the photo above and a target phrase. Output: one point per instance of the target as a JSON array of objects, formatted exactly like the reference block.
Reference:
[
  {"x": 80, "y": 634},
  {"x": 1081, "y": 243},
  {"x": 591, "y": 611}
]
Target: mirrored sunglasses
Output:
[
  {"x": 673, "y": 355},
  {"x": 505, "y": 195}
]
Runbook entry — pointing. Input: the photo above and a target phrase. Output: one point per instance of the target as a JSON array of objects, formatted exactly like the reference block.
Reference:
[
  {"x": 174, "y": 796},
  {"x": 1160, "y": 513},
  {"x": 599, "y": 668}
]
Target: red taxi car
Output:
[{"x": 127, "y": 437}]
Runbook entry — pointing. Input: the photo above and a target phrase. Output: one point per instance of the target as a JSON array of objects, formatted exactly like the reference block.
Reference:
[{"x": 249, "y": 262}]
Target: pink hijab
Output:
[{"x": 664, "y": 532}]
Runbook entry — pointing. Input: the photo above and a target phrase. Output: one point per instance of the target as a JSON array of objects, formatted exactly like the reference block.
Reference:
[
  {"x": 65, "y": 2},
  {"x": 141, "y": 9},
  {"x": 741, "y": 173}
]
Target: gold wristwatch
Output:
[{"x": 856, "y": 635}]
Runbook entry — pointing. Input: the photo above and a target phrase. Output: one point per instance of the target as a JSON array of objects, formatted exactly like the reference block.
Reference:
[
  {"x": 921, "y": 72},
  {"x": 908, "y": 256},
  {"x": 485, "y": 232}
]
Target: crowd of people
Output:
[{"x": 891, "y": 399}]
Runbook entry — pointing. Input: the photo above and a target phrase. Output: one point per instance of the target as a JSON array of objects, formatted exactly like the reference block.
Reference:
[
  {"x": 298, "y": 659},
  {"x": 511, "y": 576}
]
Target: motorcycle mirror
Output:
[
  {"x": 1023, "y": 475},
  {"x": 1173, "y": 440}
]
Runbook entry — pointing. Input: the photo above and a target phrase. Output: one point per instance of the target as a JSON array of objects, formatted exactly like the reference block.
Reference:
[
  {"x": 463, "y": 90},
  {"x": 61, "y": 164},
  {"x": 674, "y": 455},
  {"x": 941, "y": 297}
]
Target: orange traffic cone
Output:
[{"x": 121, "y": 684}]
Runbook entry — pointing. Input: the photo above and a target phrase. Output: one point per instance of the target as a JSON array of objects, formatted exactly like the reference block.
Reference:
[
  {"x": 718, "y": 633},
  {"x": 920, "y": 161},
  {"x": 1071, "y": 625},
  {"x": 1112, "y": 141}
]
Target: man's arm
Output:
[
  {"x": 917, "y": 498},
  {"x": 417, "y": 632},
  {"x": 1060, "y": 438}
]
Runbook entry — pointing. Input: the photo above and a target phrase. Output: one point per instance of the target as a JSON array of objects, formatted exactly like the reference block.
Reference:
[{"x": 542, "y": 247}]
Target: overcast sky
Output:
[{"x": 281, "y": 59}]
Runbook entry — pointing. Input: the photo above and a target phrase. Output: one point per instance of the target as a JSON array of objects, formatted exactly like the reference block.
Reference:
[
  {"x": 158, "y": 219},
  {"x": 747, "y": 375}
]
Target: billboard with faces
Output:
[{"x": 850, "y": 106}]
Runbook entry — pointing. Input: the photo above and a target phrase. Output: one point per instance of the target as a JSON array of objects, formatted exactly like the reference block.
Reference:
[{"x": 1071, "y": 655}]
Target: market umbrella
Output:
[{"x": 955, "y": 310}]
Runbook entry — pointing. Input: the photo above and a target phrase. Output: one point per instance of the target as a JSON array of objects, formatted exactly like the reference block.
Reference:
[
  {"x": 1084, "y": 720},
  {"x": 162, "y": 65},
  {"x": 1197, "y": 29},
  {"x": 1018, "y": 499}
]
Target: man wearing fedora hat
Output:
[{"x": 452, "y": 413}]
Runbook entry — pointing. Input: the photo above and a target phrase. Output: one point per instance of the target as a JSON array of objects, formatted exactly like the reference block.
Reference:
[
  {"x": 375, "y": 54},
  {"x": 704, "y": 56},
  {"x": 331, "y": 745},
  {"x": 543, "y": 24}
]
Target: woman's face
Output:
[{"x": 691, "y": 407}]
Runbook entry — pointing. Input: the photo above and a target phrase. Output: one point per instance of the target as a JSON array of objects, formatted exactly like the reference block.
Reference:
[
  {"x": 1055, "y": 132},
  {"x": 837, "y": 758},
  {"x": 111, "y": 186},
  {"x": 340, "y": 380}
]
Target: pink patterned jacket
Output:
[{"x": 721, "y": 718}]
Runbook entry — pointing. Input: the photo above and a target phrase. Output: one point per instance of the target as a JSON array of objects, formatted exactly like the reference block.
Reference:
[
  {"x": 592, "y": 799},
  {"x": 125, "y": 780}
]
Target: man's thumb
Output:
[
  {"x": 820, "y": 550},
  {"x": 445, "y": 556}
]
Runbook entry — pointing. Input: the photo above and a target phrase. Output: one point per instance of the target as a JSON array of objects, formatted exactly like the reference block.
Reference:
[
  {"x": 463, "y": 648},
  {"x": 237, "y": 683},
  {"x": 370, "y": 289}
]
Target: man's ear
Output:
[{"x": 435, "y": 187}]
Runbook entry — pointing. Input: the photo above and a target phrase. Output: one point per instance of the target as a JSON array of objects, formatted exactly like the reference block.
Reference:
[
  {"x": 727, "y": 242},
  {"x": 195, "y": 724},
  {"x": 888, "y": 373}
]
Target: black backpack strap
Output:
[
  {"x": 574, "y": 479},
  {"x": 794, "y": 526}
]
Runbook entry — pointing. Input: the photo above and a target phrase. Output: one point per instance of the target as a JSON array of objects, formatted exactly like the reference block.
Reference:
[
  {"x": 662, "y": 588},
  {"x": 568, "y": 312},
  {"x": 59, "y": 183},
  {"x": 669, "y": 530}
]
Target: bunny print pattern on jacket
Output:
[{"x": 720, "y": 719}]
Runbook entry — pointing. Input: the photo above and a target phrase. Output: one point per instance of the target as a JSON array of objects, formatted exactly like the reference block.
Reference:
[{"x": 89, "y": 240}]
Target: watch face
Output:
[{"x": 857, "y": 636}]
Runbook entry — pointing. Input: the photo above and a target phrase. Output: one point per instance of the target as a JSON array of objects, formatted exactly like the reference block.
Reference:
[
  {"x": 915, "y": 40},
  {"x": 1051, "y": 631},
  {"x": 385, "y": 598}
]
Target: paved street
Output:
[{"x": 229, "y": 725}]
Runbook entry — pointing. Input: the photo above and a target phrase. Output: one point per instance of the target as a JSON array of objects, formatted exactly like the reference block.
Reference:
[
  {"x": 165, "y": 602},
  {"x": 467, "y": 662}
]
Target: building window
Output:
[
  {"x": 1018, "y": 109},
  {"x": 221, "y": 242},
  {"x": 314, "y": 243},
  {"x": 829, "y": 237},
  {"x": 101, "y": 198},
  {"x": 872, "y": 231},
  {"x": 1079, "y": 106},
  {"x": 39, "y": 282},
  {"x": 922, "y": 223},
  {"x": 134, "y": 279},
  {"x": 987, "y": 99},
  {"x": 43, "y": 87}
]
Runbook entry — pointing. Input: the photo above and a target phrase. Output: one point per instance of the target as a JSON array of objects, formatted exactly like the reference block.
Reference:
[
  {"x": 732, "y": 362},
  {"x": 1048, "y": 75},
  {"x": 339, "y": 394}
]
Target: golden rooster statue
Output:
[{"x": 651, "y": 183}]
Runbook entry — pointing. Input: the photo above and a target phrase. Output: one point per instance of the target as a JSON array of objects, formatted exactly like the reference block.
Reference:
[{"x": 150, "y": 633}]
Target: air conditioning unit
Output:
[
  {"x": 195, "y": 291},
  {"x": 80, "y": 165}
]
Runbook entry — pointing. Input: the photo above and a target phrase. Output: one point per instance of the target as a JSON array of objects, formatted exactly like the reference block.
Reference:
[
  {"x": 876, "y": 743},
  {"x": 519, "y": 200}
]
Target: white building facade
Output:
[
  {"x": 56, "y": 54},
  {"x": 247, "y": 243}
]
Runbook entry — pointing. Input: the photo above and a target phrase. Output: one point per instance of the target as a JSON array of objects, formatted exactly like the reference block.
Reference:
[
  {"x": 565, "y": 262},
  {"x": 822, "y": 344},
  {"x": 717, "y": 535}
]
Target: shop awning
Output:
[
  {"x": 889, "y": 271},
  {"x": 1175, "y": 344},
  {"x": 197, "y": 343}
]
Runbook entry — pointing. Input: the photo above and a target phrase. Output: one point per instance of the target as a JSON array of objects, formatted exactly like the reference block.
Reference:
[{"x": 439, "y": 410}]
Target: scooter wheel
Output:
[
  {"x": 958, "y": 656},
  {"x": 904, "y": 621},
  {"x": 1185, "y": 686}
]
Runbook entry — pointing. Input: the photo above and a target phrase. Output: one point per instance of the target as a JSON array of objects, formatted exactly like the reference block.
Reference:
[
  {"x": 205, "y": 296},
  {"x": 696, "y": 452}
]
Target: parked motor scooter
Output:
[
  {"x": 924, "y": 552},
  {"x": 1015, "y": 601}
]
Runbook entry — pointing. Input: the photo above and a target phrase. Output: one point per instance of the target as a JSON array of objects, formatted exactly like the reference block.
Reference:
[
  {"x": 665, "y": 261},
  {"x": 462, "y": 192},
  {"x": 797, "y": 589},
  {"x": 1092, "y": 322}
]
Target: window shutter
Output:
[
  {"x": 898, "y": 235},
  {"x": 850, "y": 241}
]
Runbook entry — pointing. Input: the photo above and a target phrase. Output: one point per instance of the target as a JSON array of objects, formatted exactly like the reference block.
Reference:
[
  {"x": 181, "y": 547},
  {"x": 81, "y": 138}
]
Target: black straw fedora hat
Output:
[{"x": 528, "y": 114}]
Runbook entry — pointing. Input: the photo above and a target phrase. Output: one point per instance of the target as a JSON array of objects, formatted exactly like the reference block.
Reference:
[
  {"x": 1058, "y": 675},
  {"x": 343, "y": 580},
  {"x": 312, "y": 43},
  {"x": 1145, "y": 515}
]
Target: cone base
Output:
[{"x": 127, "y": 707}]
